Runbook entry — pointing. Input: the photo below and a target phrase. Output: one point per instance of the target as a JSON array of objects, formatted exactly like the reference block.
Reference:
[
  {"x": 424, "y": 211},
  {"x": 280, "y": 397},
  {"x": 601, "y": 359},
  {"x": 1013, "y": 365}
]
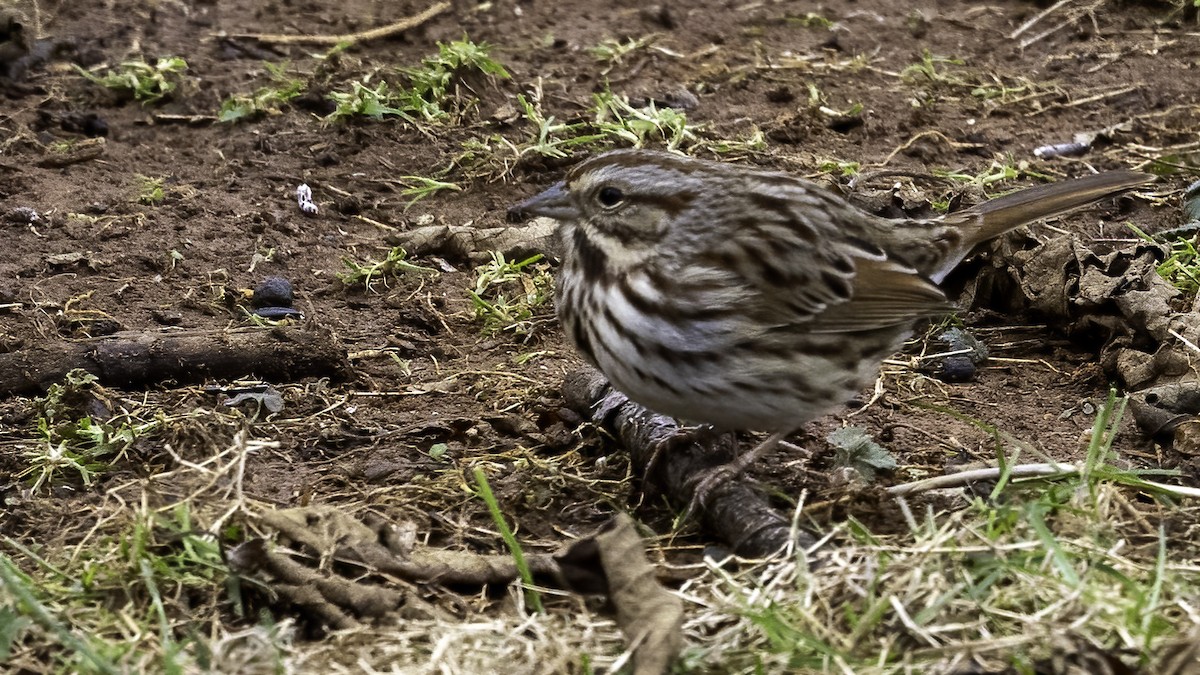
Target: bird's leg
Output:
[{"x": 711, "y": 478}]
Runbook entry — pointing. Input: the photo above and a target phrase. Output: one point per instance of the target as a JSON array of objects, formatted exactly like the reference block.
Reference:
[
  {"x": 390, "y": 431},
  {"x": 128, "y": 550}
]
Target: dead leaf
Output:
[
  {"x": 75, "y": 258},
  {"x": 650, "y": 616}
]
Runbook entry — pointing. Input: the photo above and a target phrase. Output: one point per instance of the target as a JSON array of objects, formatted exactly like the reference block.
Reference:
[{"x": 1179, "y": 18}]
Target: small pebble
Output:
[
  {"x": 273, "y": 292},
  {"x": 957, "y": 369},
  {"x": 264, "y": 396},
  {"x": 960, "y": 367},
  {"x": 677, "y": 99},
  {"x": 167, "y": 317},
  {"x": 89, "y": 124},
  {"x": 349, "y": 206}
]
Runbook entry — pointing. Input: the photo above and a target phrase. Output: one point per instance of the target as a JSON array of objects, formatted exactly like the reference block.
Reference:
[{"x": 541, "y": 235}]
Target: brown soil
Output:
[{"x": 229, "y": 195}]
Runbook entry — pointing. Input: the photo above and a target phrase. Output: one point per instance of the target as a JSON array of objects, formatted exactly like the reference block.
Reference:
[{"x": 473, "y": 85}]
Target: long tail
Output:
[
  {"x": 997, "y": 216},
  {"x": 960, "y": 232}
]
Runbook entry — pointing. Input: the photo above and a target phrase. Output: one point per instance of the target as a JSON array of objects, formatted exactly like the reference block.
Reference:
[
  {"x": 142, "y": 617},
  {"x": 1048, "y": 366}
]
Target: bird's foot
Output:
[{"x": 706, "y": 482}]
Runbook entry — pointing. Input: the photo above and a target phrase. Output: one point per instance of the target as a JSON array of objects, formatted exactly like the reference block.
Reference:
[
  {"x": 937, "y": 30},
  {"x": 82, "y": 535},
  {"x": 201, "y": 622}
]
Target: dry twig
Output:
[{"x": 351, "y": 38}]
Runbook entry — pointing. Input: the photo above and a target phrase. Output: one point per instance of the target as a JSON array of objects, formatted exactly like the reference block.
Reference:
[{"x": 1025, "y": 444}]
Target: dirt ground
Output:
[{"x": 424, "y": 374}]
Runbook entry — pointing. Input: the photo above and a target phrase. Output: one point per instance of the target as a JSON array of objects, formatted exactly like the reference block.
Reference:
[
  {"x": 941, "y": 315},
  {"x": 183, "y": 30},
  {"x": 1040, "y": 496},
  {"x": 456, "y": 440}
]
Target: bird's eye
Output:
[{"x": 610, "y": 197}]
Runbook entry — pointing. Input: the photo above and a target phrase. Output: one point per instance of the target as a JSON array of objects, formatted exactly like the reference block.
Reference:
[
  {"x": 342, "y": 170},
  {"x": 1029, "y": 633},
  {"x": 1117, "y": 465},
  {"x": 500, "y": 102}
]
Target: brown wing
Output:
[
  {"x": 803, "y": 259},
  {"x": 885, "y": 294}
]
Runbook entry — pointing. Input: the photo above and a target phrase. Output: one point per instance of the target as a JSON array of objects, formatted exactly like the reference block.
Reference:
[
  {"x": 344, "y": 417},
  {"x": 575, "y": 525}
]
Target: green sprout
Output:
[
  {"x": 616, "y": 117},
  {"x": 419, "y": 187},
  {"x": 551, "y": 138},
  {"x": 612, "y": 52},
  {"x": 855, "y": 448},
  {"x": 811, "y": 20},
  {"x": 996, "y": 172},
  {"x": 841, "y": 168},
  {"x": 614, "y": 121},
  {"x": 507, "y": 293},
  {"x": 1181, "y": 267},
  {"x": 639, "y": 126},
  {"x": 433, "y": 87},
  {"x": 373, "y": 102},
  {"x": 146, "y": 83},
  {"x": 265, "y": 100},
  {"x": 484, "y": 491},
  {"x": 615, "y": 50},
  {"x": 1000, "y": 90},
  {"x": 393, "y": 264},
  {"x": 151, "y": 191},
  {"x": 931, "y": 68},
  {"x": 948, "y": 72},
  {"x": 79, "y": 447}
]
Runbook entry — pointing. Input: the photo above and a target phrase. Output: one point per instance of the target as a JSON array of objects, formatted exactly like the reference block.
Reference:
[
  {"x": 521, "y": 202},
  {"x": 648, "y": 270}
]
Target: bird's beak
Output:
[{"x": 553, "y": 202}]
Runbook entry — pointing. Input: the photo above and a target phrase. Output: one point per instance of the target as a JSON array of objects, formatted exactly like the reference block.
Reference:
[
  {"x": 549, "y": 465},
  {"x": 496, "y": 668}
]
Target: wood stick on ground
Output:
[
  {"x": 734, "y": 511},
  {"x": 134, "y": 358},
  {"x": 1036, "y": 18},
  {"x": 964, "y": 478},
  {"x": 351, "y": 38}
]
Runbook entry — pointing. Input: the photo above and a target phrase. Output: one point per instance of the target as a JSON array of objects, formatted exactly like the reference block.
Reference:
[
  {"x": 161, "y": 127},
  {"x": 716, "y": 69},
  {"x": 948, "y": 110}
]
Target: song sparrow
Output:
[{"x": 750, "y": 299}]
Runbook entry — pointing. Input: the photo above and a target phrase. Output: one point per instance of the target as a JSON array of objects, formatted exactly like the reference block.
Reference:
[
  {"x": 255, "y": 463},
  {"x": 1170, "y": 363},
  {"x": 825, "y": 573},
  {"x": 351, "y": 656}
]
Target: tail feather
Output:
[
  {"x": 961, "y": 232},
  {"x": 997, "y": 216}
]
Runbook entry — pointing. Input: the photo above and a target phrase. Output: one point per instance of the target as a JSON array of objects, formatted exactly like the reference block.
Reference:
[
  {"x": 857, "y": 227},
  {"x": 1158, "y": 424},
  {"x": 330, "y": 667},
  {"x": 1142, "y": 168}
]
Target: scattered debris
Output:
[
  {"x": 87, "y": 259},
  {"x": 476, "y": 244},
  {"x": 1121, "y": 295},
  {"x": 1072, "y": 149},
  {"x": 66, "y": 153},
  {"x": 380, "y": 563},
  {"x": 23, "y": 215},
  {"x": 262, "y": 395},
  {"x": 1159, "y": 411},
  {"x": 304, "y": 198},
  {"x": 167, "y": 317},
  {"x": 960, "y": 361},
  {"x": 614, "y": 561}
]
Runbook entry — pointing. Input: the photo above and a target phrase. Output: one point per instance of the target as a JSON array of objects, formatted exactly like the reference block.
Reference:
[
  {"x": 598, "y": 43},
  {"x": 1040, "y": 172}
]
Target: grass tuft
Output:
[
  {"x": 266, "y": 100},
  {"x": 508, "y": 293},
  {"x": 437, "y": 92},
  {"x": 395, "y": 263},
  {"x": 145, "y": 82}
]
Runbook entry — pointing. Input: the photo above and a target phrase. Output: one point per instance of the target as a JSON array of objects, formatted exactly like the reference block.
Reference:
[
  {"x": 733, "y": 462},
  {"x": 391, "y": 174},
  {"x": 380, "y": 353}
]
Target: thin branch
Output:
[
  {"x": 351, "y": 38},
  {"x": 1021, "y": 471},
  {"x": 1033, "y": 22}
]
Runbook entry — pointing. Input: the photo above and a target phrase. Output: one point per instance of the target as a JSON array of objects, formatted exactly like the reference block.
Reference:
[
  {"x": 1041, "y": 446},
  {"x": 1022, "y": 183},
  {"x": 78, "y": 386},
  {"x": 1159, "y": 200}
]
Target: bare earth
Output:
[{"x": 423, "y": 373}]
